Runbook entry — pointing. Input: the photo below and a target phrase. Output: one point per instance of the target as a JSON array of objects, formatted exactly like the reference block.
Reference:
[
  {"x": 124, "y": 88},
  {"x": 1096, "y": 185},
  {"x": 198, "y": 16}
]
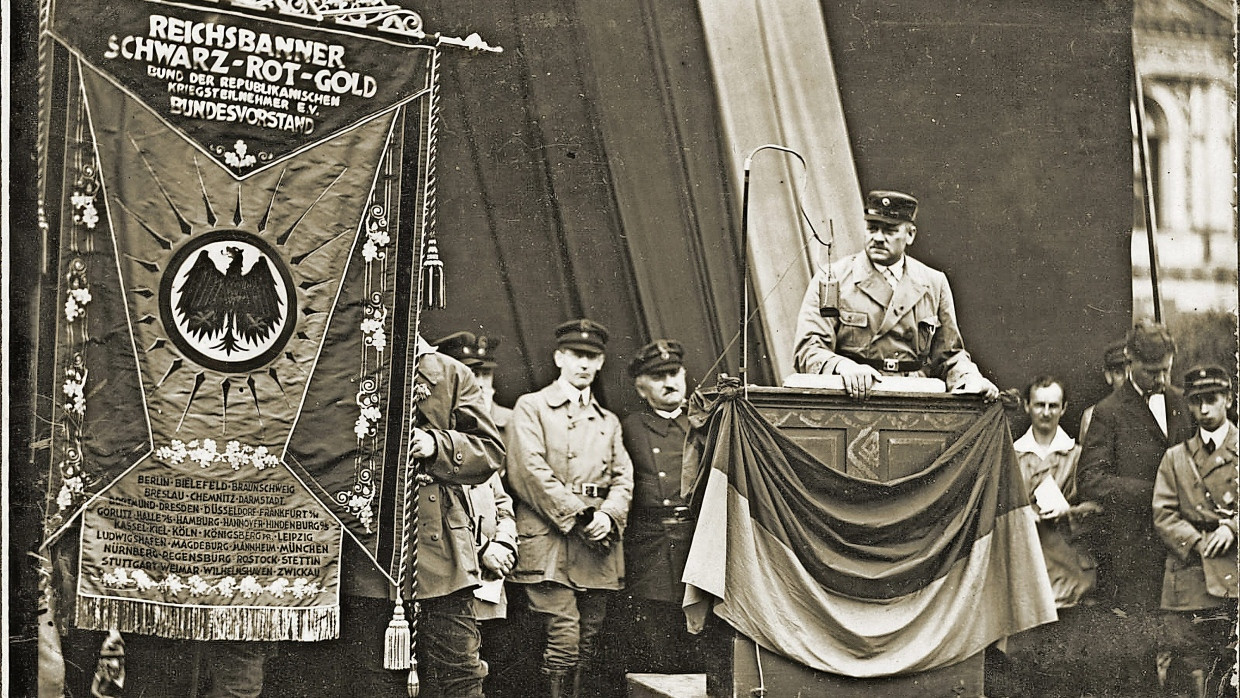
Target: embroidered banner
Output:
[
  {"x": 857, "y": 577},
  {"x": 219, "y": 77},
  {"x": 210, "y": 303}
]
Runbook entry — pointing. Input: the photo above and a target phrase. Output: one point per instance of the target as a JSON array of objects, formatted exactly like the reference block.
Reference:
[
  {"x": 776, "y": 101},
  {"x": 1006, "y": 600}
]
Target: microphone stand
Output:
[{"x": 744, "y": 328}]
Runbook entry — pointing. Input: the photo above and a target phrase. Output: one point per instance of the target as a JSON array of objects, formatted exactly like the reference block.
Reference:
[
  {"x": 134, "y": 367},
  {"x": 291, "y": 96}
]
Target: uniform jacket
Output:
[
  {"x": 915, "y": 321},
  {"x": 1070, "y": 568},
  {"x": 468, "y": 451},
  {"x": 1183, "y": 512},
  {"x": 553, "y": 447},
  {"x": 1119, "y": 460},
  {"x": 495, "y": 523},
  {"x": 656, "y": 545}
]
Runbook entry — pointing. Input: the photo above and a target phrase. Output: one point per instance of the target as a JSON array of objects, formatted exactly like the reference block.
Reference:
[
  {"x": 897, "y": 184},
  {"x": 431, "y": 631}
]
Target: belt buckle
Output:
[
  {"x": 891, "y": 365},
  {"x": 682, "y": 514},
  {"x": 589, "y": 489}
]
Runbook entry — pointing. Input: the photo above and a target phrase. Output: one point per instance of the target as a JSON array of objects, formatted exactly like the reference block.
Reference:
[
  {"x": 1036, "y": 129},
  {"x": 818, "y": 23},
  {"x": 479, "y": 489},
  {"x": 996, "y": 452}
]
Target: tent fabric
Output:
[
  {"x": 777, "y": 85},
  {"x": 857, "y": 577},
  {"x": 991, "y": 117}
]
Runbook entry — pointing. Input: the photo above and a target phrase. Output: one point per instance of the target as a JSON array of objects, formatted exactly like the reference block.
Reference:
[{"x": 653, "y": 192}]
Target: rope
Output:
[
  {"x": 400, "y": 657},
  {"x": 45, "y": 119}
]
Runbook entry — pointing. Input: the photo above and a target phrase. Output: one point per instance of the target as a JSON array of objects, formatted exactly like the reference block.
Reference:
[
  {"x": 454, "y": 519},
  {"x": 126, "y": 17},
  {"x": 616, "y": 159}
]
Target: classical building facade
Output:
[{"x": 1186, "y": 60}]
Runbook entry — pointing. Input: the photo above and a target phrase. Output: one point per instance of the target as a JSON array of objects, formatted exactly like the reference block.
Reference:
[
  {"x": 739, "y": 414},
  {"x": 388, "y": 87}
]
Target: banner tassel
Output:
[
  {"x": 396, "y": 640},
  {"x": 432, "y": 277}
]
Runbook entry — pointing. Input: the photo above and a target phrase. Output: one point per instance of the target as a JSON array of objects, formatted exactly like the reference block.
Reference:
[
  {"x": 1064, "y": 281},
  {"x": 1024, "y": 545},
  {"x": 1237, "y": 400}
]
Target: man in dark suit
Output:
[{"x": 1131, "y": 430}]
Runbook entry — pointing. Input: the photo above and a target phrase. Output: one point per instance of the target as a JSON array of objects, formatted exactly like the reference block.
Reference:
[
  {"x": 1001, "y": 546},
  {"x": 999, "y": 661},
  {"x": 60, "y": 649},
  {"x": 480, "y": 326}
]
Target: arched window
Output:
[{"x": 1156, "y": 140}]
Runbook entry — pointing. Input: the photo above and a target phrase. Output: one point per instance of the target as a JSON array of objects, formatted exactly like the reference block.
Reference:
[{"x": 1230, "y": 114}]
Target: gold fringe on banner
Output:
[{"x": 209, "y": 622}]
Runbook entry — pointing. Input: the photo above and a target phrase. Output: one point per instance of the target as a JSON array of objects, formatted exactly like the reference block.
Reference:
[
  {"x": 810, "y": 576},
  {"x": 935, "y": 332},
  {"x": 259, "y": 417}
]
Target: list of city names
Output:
[{"x": 191, "y": 525}]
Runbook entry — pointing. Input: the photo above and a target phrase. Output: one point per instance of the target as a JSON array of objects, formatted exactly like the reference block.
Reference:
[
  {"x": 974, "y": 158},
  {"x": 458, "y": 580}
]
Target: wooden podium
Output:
[{"x": 890, "y": 436}]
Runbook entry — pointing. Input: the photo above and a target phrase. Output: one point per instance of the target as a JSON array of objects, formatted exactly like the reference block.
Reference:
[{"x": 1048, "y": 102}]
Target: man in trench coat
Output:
[{"x": 573, "y": 482}]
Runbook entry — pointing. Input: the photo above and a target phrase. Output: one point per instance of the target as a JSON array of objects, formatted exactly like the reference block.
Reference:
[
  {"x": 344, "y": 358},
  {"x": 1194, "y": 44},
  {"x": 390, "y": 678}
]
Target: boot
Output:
[
  {"x": 578, "y": 673},
  {"x": 558, "y": 683},
  {"x": 1199, "y": 683}
]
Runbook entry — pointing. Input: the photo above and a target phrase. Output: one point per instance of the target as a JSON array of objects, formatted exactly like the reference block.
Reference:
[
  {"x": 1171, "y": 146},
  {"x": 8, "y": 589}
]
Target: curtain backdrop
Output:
[
  {"x": 776, "y": 84},
  {"x": 600, "y": 158}
]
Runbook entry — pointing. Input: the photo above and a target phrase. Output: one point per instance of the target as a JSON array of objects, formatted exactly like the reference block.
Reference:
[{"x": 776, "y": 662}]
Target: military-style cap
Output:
[
  {"x": 890, "y": 207},
  {"x": 1206, "y": 379},
  {"x": 583, "y": 335},
  {"x": 1114, "y": 358},
  {"x": 656, "y": 356},
  {"x": 469, "y": 349}
]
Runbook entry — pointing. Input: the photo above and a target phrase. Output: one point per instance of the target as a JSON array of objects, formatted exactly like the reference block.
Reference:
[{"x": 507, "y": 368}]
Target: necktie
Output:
[
  {"x": 890, "y": 277},
  {"x": 1209, "y": 447}
]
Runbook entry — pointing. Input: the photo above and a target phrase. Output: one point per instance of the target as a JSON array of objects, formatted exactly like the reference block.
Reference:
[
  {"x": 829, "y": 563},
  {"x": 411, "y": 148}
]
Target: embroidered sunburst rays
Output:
[{"x": 229, "y": 294}]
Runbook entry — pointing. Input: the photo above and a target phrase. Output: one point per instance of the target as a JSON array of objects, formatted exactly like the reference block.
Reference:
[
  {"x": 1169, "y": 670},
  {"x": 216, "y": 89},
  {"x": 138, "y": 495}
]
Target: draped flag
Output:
[
  {"x": 856, "y": 577},
  {"x": 233, "y": 310}
]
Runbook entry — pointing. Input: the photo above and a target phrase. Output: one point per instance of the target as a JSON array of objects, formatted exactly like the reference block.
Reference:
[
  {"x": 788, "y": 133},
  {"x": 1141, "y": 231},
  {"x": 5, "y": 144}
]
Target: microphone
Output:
[{"x": 829, "y": 294}]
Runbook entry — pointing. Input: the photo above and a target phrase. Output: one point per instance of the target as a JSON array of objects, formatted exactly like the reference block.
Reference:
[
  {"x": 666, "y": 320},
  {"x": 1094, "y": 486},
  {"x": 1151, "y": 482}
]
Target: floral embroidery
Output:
[
  {"x": 70, "y": 489},
  {"x": 239, "y": 157},
  {"x": 227, "y": 587},
  {"x": 205, "y": 454},
  {"x": 84, "y": 210},
  {"x": 377, "y": 236},
  {"x": 75, "y": 300},
  {"x": 373, "y": 332},
  {"x": 75, "y": 390}
]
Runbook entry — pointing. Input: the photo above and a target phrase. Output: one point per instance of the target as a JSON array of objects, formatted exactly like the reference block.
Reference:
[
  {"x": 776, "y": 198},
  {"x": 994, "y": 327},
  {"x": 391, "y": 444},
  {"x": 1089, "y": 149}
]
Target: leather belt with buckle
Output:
[
  {"x": 665, "y": 515},
  {"x": 589, "y": 489},
  {"x": 890, "y": 365},
  {"x": 678, "y": 514}
]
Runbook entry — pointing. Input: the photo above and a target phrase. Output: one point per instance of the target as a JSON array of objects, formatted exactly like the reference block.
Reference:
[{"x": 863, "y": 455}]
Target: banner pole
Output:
[{"x": 1137, "y": 108}]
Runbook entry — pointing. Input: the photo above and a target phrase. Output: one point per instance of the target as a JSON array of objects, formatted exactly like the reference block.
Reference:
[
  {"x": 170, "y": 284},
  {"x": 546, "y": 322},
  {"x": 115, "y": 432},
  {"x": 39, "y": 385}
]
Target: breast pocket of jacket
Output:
[{"x": 854, "y": 329}]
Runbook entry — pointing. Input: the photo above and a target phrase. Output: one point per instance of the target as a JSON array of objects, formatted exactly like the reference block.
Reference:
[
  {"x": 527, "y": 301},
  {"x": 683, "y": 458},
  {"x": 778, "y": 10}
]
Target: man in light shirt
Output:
[{"x": 1048, "y": 458}]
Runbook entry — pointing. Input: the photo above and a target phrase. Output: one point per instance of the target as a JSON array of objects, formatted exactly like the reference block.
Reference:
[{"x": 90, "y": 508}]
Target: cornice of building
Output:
[{"x": 1202, "y": 18}]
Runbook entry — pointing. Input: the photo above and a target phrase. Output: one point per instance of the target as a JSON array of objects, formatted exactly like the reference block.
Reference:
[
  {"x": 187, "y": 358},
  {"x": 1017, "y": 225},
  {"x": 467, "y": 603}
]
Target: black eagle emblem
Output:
[{"x": 244, "y": 307}]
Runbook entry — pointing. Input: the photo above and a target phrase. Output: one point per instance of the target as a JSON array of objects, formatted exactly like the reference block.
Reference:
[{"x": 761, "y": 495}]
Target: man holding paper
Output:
[{"x": 1047, "y": 458}]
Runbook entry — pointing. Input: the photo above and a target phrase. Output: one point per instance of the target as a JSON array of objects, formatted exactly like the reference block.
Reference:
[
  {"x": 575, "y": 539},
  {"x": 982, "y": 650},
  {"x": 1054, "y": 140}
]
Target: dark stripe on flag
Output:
[{"x": 860, "y": 538}]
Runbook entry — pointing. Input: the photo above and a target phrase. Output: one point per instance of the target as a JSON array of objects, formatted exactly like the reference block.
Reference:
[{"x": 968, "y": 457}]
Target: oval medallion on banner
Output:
[{"x": 227, "y": 301}]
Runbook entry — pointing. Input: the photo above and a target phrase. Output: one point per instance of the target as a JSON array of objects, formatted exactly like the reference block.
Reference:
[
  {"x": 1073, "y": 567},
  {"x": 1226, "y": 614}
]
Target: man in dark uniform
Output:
[
  {"x": 1115, "y": 372},
  {"x": 656, "y": 542},
  {"x": 1195, "y": 514},
  {"x": 882, "y": 313},
  {"x": 478, "y": 353}
]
